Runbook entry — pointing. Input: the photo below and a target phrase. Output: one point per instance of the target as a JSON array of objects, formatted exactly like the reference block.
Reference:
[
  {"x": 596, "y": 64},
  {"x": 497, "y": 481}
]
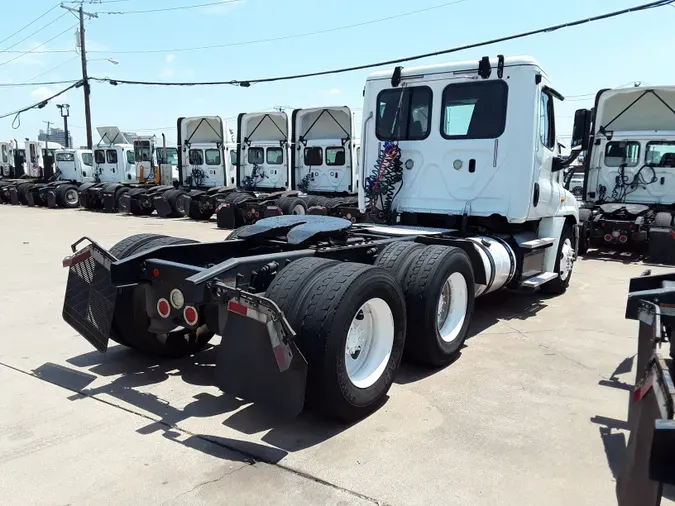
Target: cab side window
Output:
[{"x": 546, "y": 121}]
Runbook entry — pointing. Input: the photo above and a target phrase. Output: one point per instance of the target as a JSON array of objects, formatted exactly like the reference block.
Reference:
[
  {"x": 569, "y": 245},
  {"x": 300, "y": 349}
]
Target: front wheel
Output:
[{"x": 564, "y": 264}]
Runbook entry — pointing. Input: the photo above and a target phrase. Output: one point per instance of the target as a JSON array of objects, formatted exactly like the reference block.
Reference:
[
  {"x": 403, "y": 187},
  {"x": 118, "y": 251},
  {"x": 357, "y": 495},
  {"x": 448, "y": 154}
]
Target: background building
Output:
[{"x": 57, "y": 135}]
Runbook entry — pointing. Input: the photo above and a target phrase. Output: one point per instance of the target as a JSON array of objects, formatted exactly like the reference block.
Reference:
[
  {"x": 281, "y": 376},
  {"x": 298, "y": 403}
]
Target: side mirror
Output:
[
  {"x": 558, "y": 164},
  {"x": 582, "y": 129}
]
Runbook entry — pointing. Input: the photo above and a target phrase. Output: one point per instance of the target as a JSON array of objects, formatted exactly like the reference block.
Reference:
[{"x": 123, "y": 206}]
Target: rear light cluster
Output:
[{"x": 177, "y": 301}]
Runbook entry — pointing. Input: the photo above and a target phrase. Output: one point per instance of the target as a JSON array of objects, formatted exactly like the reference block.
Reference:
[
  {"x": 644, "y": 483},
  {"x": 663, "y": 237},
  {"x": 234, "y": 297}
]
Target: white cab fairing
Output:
[
  {"x": 469, "y": 144},
  {"x": 323, "y": 150},
  {"x": 264, "y": 157},
  {"x": 201, "y": 152},
  {"x": 74, "y": 165},
  {"x": 634, "y": 142}
]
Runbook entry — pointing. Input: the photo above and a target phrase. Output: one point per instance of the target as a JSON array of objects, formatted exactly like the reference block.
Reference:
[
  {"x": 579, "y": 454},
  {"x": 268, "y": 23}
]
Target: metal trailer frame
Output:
[
  {"x": 650, "y": 456},
  {"x": 225, "y": 282}
]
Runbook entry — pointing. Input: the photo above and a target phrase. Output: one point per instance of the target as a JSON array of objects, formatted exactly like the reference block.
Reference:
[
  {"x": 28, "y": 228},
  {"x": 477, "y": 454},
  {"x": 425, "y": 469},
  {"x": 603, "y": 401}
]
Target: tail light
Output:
[
  {"x": 608, "y": 237},
  {"x": 190, "y": 315},
  {"x": 163, "y": 308}
]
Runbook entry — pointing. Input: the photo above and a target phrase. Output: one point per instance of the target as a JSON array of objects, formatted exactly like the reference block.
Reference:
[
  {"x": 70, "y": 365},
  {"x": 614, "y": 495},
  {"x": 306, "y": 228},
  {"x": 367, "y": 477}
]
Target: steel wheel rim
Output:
[
  {"x": 453, "y": 303},
  {"x": 72, "y": 196},
  {"x": 566, "y": 259},
  {"x": 369, "y": 343},
  {"x": 299, "y": 209}
]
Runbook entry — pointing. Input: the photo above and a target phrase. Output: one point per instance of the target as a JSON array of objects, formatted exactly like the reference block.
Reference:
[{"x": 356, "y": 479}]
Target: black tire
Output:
[
  {"x": 67, "y": 196},
  {"x": 21, "y": 190},
  {"x": 235, "y": 233},
  {"x": 131, "y": 322},
  {"x": 397, "y": 258},
  {"x": 662, "y": 220},
  {"x": 235, "y": 198},
  {"x": 317, "y": 200},
  {"x": 292, "y": 205},
  {"x": 322, "y": 315},
  {"x": 173, "y": 197},
  {"x": 126, "y": 247},
  {"x": 118, "y": 195},
  {"x": 558, "y": 286},
  {"x": 423, "y": 287},
  {"x": 138, "y": 210}
]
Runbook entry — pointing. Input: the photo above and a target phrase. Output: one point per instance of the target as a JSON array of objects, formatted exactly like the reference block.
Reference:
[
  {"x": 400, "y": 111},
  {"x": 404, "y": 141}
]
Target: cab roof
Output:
[{"x": 466, "y": 66}]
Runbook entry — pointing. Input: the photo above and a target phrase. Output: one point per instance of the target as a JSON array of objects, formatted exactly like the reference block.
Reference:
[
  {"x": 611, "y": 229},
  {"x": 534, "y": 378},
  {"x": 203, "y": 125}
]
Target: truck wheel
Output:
[
  {"x": 235, "y": 197},
  {"x": 67, "y": 196},
  {"x": 317, "y": 200},
  {"x": 131, "y": 322},
  {"x": 118, "y": 195},
  {"x": 292, "y": 206},
  {"x": 21, "y": 191},
  {"x": 350, "y": 321},
  {"x": 174, "y": 198},
  {"x": 397, "y": 258},
  {"x": 138, "y": 210},
  {"x": 439, "y": 293},
  {"x": 662, "y": 220},
  {"x": 564, "y": 264}
]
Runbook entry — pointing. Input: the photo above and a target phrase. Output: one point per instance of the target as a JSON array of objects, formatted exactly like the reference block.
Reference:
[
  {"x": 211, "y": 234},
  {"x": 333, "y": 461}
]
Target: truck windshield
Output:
[
  {"x": 256, "y": 155},
  {"x": 403, "y": 114},
  {"x": 171, "y": 156},
  {"x": 142, "y": 151},
  {"x": 65, "y": 157},
  {"x": 335, "y": 156},
  {"x": 196, "y": 157},
  {"x": 212, "y": 156},
  {"x": 622, "y": 153},
  {"x": 275, "y": 156},
  {"x": 661, "y": 153}
]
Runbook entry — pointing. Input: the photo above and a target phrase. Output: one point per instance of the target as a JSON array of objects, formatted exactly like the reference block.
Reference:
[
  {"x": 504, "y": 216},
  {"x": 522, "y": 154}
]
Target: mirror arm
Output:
[{"x": 574, "y": 154}]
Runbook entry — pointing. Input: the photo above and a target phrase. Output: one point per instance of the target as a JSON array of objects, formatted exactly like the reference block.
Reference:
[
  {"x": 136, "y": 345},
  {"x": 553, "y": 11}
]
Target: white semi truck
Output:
[
  {"x": 629, "y": 192},
  {"x": 462, "y": 171}
]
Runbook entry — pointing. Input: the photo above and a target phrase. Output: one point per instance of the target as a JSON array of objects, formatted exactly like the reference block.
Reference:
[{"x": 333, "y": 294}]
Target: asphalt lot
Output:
[{"x": 531, "y": 413}]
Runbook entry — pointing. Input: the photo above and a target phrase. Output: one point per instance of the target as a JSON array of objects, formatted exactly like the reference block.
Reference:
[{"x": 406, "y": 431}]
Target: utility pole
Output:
[
  {"x": 85, "y": 77},
  {"x": 49, "y": 125}
]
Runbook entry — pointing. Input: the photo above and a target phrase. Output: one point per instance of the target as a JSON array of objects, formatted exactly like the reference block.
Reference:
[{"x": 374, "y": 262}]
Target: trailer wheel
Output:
[
  {"x": 131, "y": 322},
  {"x": 440, "y": 293},
  {"x": 564, "y": 264},
  {"x": 397, "y": 258},
  {"x": 67, "y": 196},
  {"x": 662, "y": 220},
  {"x": 350, "y": 322},
  {"x": 292, "y": 205}
]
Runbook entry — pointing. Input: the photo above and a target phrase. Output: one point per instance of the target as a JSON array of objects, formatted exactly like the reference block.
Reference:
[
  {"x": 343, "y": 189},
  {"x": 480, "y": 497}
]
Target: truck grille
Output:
[{"x": 89, "y": 304}]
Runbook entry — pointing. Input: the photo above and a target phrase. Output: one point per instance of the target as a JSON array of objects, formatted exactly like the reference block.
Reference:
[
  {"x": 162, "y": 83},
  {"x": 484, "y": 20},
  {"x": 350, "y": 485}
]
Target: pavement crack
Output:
[{"x": 207, "y": 482}]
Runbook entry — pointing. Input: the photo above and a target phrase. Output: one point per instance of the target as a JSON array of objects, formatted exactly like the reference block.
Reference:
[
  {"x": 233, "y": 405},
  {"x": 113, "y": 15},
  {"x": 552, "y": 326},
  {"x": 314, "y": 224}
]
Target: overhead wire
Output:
[
  {"x": 285, "y": 37},
  {"x": 38, "y": 105},
  {"x": 30, "y": 82},
  {"x": 38, "y": 46},
  {"x": 177, "y": 8},
  {"x": 29, "y": 24},
  {"x": 33, "y": 33},
  {"x": 249, "y": 82}
]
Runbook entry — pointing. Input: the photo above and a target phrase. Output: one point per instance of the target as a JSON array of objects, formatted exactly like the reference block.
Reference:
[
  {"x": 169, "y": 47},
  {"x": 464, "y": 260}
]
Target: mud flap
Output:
[
  {"x": 254, "y": 364},
  {"x": 13, "y": 196},
  {"x": 109, "y": 203},
  {"x": 30, "y": 198},
  {"x": 51, "y": 199},
  {"x": 226, "y": 216},
  {"x": 162, "y": 206}
]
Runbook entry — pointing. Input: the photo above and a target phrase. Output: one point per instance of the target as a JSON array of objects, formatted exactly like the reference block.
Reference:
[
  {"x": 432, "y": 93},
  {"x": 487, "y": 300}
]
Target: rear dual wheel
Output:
[
  {"x": 67, "y": 196},
  {"x": 350, "y": 324},
  {"x": 131, "y": 322}
]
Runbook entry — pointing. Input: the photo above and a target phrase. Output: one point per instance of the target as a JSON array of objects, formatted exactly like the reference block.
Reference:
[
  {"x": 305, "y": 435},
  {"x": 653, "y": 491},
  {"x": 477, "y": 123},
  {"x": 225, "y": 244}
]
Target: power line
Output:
[
  {"x": 36, "y": 31},
  {"x": 285, "y": 37},
  {"x": 41, "y": 103},
  {"x": 26, "y": 26},
  {"x": 177, "y": 8},
  {"x": 36, "y": 47},
  {"x": 248, "y": 82},
  {"x": 48, "y": 83}
]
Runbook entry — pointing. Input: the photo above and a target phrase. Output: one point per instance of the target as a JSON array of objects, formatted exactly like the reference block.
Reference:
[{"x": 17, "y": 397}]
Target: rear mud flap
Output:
[
  {"x": 226, "y": 216},
  {"x": 125, "y": 204},
  {"x": 30, "y": 198},
  {"x": 51, "y": 199},
  {"x": 247, "y": 367},
  {"x": 109, "y": 203},
  {"x": 162, "y": 206},
  {"x": 13, "y": 196},
  {"x": 89, "y": 303}
]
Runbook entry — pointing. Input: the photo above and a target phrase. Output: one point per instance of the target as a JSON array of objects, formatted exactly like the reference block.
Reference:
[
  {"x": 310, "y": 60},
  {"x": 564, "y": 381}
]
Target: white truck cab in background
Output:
[
  {"x": 323, "y": 156},
  {"x": 264, "y": 154},
  {"x": 471, "y": 145}
]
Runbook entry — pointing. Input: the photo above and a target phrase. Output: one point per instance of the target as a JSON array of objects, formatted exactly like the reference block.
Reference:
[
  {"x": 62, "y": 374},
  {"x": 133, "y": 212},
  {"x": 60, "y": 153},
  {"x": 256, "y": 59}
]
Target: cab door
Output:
[
  {"x": 99, "y": 164},
  {"x": 546, "y": 191}
]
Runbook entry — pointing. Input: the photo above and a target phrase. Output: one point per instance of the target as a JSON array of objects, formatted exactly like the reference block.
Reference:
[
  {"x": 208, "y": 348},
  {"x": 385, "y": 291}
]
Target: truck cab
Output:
[
  {"x": 323, "y": 151},
  {"x": 5, "y": 160},
  {"x": 147, "y": 168},
  {"x": 473, "y": 141},
  {"x": 201, "y": 153},
  {"x": 114, "y": 157},
  {"x": 264, "y": 157},
  {"x": 629, "y": 189},
  {"x": 74, "y": 165}
]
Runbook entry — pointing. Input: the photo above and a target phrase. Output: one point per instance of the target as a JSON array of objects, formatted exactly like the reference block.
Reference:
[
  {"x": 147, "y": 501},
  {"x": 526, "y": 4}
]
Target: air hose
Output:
[
  {"x": 303, "y": 185},
  {"x": 380, "y": 188},
  {"x": 624, "y": 186},
  {"x": 251, "y": 182}
]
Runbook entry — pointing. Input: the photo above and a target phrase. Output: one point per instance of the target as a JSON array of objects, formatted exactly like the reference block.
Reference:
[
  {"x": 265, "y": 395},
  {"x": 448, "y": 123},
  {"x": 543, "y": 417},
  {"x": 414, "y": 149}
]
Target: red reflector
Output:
[
  {"x": 155, "y": 272},
  {"x": 235, "y": 307},
  {"x": 163, "y": 308},
  {"x": 190, "y": 314},
  {"x": 76, "y": 258}
]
